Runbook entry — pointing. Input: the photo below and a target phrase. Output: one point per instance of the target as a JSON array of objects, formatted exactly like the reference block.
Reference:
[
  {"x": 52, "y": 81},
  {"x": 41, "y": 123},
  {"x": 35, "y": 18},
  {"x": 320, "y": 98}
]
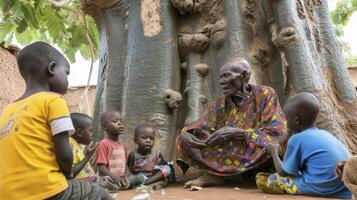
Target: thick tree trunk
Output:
[{"x": 152, "y": 51}]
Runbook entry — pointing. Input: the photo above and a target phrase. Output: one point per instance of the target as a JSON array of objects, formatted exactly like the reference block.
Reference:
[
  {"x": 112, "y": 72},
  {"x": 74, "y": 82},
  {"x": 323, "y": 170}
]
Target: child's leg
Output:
[
  {"x": 158, "y": 176},
  {"x": 81, "y": 190},
  {"x": 161, "y": 173},
  {"x": 137, "y": 179},
  {"x": 275, "y": 184}
]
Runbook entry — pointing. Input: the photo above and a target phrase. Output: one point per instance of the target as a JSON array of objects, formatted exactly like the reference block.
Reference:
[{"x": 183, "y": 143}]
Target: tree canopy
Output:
[
  {"x": 340, "y": 17},
  {"x": 343, "y": 12},
  {"x": 61, "y": 23}
]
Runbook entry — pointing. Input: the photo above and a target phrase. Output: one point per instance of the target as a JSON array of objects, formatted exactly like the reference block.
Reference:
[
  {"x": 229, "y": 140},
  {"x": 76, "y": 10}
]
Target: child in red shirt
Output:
[{"x": 112, "y": 157}]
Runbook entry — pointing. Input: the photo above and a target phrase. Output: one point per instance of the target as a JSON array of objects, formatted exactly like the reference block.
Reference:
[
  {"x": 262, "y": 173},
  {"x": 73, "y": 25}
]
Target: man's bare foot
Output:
[{"x": 205, "y": 181}]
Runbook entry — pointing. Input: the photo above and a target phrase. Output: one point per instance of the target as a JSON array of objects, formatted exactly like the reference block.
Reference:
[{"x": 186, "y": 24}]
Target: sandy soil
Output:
[{"x": 176, "y": 192}]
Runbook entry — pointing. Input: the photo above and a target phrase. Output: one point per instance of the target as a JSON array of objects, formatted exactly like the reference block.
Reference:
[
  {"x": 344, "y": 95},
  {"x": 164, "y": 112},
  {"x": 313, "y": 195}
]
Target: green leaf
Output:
[
  {"x": 71, "y": 54},
  {"x": 34, "y": 20},
  {"x": 85, "y": 52},
  {"x": 9, "y": 40},
  {"x": 343, "y": 12},
  {"x": 29, "y": 15},
  {"x": 22, "y": 26},
  {"x": 6, "y": 5},
  {"x": 53, "y": 22},
  {"x": 5, "y": 29}
]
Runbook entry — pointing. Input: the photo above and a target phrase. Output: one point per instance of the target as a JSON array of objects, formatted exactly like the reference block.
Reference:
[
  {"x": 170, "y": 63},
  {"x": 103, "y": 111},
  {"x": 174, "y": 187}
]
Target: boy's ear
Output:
[
  {"x": 104, "y": 127},
  {"x": 51, "y": 68},
  {"x": 297, "y": 120},
  {"x": 79, "y": 132}
]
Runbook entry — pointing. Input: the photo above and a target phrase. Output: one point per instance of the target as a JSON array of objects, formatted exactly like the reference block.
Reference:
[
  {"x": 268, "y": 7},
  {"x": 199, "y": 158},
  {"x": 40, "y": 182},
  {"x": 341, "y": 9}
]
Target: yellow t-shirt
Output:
[
  {"x": 87, "y": 172},
  {"x": 28, "y": 167}
]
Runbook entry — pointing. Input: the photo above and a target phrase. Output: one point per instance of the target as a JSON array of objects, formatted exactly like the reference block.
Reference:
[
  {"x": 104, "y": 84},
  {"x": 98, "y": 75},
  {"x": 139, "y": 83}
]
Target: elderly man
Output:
[{"x": 231, "y": 135}]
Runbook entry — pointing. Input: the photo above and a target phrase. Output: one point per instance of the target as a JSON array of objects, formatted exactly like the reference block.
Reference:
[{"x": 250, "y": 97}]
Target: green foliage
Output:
[
  {"x": 352, "y": 61},
  {"x": 343, "y": 12},
  {"x": 34, "y": 20}
]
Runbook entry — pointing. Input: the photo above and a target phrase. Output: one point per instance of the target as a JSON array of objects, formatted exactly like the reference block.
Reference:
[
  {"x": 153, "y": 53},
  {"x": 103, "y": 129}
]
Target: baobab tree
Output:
[{"x": 159, "y": 59}]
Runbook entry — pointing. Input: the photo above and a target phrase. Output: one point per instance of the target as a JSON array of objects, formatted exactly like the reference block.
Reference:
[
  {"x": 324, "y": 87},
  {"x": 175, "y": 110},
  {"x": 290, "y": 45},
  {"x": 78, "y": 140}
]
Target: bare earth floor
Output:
[{"x": 177, "y": 192}]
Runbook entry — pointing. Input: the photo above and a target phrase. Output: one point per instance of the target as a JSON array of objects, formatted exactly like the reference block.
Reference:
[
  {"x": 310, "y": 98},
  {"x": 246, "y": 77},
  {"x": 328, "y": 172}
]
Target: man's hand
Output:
[
  {"x": 224, "y": 135},
  {"x": 191, "y": 141},
  {"x": 272, "y": 148},
  {"x": 339, "y": 169},
  {"x": 91, "y": 148}
]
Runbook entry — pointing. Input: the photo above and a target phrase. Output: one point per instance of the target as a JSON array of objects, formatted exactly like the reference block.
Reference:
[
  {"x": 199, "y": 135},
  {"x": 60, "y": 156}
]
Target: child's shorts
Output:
[
  {"x": 80, "y": 190},
  {"x": 275, "y": 184}
]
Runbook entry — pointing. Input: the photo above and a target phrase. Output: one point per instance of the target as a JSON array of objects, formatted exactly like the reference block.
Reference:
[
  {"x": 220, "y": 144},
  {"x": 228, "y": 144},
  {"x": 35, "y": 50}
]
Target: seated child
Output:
[
  {"x": 347, "y": 170},
  {"x": 147, "y": 166},
  {"x": 311, "y": 155},
  {"x": 83, "y": 135},
  {"x": 34, "y": 131},
  {"x": 111, "y": 156}
]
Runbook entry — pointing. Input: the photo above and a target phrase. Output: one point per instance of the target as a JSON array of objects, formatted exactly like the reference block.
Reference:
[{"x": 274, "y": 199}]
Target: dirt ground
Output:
[{"x": 177, "y": 192}]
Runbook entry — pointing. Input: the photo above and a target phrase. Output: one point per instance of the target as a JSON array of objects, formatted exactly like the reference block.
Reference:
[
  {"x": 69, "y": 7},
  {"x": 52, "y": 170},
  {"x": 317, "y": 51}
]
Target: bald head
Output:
[
  {"x": 302, "y": 110},
  {"x": 240, "y": 64},
  {"x": 37, "y": 56}
]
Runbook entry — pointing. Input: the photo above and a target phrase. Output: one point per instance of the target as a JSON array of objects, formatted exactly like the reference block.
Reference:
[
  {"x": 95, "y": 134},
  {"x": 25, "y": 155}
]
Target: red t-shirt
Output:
[{"x": 113, "y": 156}]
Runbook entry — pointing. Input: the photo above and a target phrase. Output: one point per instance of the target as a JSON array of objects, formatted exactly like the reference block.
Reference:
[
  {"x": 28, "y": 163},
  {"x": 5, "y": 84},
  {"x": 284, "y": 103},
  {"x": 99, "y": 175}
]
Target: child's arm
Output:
[
  {"x": 89, "y": 153},
  {"x": 63, "y": 153},
  {"x": 104, "y": 171},
  {"x": 131, "y": 160},
  {"x": 273, "y": 150},
  {"x": 161, "y": 157}
]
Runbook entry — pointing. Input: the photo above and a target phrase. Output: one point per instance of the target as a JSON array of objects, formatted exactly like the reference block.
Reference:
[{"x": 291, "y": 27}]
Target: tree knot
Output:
[
  {"x": 172, "y": 98},
  {"x": 286, "y": 37}
]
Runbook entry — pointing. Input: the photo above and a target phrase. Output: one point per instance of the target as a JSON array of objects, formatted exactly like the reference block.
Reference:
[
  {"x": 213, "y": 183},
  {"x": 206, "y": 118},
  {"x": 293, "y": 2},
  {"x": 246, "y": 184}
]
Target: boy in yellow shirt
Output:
[
  {"x": 83, "y": 135},
  {"x": 34, "y": 133}
]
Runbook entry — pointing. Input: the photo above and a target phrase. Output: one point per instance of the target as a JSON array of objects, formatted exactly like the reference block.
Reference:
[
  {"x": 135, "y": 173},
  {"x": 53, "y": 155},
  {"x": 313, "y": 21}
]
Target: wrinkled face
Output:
[
  {"x": 231, "y": 78},
  {"x": 146, "y": 139},
  {"x": 58, "y": 82},
  {"x": 114, "y": 124},
  {"x": 86, "y": 132}
]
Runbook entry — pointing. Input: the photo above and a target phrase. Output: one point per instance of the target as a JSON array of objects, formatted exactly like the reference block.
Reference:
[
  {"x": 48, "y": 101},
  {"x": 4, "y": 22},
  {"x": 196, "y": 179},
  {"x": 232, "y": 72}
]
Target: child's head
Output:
[
  {"x": 144, "y": 137},
  {"x": 112, "y": 123},
  {"x": 40, "y": 63},
  {"x": 301, "y": 111},
  {"x": 83, "y": 128}
]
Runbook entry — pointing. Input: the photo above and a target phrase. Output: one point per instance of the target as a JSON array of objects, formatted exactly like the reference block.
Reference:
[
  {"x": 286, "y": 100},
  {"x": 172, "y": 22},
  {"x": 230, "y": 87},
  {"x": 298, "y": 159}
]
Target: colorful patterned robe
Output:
[{"x": 260, "y": 115}]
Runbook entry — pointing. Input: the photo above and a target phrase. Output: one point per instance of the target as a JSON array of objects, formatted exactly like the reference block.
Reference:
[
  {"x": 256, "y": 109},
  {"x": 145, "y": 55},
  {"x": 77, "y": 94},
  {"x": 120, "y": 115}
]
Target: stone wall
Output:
[
  {"x": 12, "y": 85},
  {"x": 73, "y": 98}
]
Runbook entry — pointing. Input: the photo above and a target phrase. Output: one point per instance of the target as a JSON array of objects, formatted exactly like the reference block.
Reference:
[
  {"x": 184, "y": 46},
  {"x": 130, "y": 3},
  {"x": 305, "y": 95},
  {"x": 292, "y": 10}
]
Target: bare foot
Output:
[{"x": 205, "y": 180}]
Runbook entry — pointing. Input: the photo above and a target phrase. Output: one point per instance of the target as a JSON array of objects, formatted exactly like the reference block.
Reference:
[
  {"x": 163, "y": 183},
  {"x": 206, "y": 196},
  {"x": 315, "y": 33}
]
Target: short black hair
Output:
[
  {"x": 139, "y": 129},
  {"x": 36, "y": 55},
  {"x": 305, "y": 105},
  {"x": 78, "y": 119},
  {"x": 104, "y": 117}
]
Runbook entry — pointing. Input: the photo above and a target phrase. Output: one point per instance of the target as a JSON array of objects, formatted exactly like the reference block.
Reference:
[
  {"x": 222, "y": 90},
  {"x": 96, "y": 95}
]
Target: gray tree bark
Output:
[{"x": 160, "y": 59}]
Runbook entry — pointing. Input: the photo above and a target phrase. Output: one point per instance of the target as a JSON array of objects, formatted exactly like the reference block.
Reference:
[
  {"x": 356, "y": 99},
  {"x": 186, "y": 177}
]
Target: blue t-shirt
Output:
[{"x": 311, "y": 157}]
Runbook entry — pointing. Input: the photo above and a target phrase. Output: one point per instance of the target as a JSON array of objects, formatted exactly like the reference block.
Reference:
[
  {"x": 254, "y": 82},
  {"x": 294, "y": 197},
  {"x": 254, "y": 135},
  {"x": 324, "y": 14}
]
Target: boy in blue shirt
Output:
[{"x": 309, "y": 164}]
